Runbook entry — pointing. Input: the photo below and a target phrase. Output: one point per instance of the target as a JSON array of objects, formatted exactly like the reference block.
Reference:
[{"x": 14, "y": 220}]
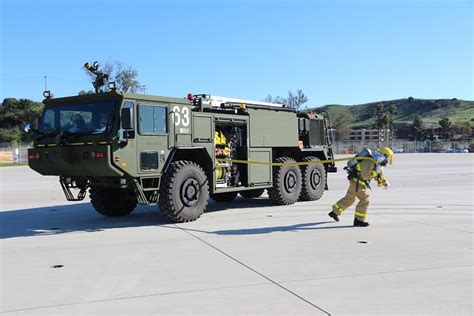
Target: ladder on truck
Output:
[{"x": 221, "y": 102}]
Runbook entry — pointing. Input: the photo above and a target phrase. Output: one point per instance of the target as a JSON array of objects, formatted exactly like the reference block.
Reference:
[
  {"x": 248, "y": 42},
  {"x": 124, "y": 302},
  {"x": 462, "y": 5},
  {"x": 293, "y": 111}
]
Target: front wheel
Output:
[
  {"x": 286, "y": 183},
  {"x": 112, "y": 202},
  {"x": 184, "y": 192}
]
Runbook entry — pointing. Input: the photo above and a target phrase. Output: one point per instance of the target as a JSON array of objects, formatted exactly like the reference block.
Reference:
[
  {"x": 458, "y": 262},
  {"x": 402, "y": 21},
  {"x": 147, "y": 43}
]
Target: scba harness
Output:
[{"x": 353, "y": 167}]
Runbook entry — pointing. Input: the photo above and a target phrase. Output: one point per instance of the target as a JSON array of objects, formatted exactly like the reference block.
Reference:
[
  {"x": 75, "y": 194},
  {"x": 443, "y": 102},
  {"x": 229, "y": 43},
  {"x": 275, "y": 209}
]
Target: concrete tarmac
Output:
[{"x": 247, "y": 256}]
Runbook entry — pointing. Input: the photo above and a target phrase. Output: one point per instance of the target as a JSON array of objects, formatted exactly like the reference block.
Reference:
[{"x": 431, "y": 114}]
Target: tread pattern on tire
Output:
[
  {"x": 167, "y": 205},
  {"x": 275, "y": 193},
  {"x": 111, "y": 203},
  {"x": 305, "y": 194}
]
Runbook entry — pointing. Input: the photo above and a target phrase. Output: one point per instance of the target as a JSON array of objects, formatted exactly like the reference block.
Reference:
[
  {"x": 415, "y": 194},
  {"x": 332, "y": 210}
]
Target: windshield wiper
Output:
[
  {"x": 50, "y": 132},
  {"x": 95, "y": 132}
]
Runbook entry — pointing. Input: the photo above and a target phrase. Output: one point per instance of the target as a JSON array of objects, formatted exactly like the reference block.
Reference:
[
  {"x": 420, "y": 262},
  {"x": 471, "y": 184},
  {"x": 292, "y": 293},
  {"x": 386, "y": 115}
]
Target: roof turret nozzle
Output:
[{"x": 101, "y": 77}]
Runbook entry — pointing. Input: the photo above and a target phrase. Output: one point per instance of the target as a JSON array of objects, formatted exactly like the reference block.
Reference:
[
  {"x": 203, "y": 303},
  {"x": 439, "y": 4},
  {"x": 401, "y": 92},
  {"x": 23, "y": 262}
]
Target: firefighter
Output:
[{"x": 359, "y": 175}]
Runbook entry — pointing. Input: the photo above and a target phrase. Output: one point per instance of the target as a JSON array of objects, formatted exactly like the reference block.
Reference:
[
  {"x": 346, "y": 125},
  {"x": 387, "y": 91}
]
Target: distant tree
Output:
[
  {"x": 124, "y": 76},
  {"x": 381, "y": 119},
  {"x": 410, "y": 99},
  {"x": 84, "y": 92},
  {"x": 447, "y": 129},
  {"x": 11, "y": 136},
  {"x": 431, "y": 135},
  {"x": 14, "y": 114},
  {"x": 392, "y": 110},
  {"x": 270, "y": 99},
  {"x": 417, "y": 128},
  {"x": 463, "y": 128},
  {"x": 294, "y": 100},
  {"x": 342, "y": 124}
]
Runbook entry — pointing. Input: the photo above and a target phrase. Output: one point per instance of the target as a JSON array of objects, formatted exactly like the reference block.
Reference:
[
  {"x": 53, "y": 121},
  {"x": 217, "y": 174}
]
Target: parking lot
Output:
[{"x": 247, "y": 256}]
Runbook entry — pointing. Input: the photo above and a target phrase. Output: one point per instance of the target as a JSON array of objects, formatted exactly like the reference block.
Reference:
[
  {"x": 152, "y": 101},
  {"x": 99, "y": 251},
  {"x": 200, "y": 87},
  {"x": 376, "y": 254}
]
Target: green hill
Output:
[{"x": 430, "y": 111}]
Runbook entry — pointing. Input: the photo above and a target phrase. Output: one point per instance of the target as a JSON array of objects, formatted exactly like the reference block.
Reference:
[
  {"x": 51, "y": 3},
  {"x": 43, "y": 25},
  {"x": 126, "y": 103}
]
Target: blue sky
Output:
[{"x": 344, "y": 52}]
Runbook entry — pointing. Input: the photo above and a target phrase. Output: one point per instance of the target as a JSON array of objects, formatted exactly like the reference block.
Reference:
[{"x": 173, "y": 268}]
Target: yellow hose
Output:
[{"x": 279, "y": 164}]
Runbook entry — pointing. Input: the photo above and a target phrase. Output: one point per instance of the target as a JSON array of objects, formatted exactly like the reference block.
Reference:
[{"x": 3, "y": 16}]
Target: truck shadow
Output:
[
  {"x": 269, "y": 229},
  {"x": 60, "y": 219}
]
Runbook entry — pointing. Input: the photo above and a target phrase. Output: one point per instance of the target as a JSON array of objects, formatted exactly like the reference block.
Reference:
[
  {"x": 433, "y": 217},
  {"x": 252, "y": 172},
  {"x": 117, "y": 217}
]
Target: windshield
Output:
[{"x": 82, "y": 118}]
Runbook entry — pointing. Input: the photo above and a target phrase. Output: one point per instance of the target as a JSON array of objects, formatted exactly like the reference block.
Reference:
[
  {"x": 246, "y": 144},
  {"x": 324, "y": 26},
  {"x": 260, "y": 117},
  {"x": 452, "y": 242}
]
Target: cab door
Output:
[{"x": 152, "y": 138}]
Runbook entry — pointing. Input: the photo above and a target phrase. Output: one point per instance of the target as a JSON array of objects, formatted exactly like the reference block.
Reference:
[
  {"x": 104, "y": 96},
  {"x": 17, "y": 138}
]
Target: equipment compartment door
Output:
[{"x": 260, "y": 174}]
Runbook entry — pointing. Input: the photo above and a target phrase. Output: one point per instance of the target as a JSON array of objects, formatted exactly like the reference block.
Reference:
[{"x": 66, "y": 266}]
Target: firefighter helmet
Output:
[{"x": 387, "y": 152}]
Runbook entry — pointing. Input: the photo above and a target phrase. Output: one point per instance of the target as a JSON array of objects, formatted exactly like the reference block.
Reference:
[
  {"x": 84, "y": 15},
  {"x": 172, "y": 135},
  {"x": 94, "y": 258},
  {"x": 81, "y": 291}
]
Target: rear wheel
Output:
[
  {"x": 184, "y": 192},
  {"x": 112, "y": 202},
  {"x": 224, "y": 197},
  {"x": 251, "y": 194},
  {"x": 314, "y": 180},
  {"x": 286, "y": 183}
]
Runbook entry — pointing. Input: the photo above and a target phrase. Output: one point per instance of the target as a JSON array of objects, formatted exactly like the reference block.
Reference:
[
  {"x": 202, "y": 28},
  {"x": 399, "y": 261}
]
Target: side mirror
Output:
[
  {"x": 27, "y": 128},
  {"x": 122, "y": 137},
  {"x": 127, "y": 118},
  {"x": 30, "y": 127}
]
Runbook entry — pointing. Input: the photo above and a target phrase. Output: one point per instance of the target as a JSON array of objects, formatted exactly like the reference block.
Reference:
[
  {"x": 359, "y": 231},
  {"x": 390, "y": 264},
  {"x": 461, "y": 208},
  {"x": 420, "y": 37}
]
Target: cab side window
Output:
[
  {"x": 152, "y": 119},
  {"x": 49, "y": 120},
  {"x": 130, "y": 105}
]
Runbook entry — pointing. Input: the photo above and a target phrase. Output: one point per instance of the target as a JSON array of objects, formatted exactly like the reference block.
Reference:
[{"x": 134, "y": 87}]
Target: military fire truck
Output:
[{"x": 177, "y": 152}]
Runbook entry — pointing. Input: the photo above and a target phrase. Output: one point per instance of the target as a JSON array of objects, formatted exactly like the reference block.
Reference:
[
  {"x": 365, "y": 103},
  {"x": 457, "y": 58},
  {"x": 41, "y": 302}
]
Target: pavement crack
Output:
[
  {"x": 131, "y": 297},
  {"x": 255, "y": 271},
  {"x": 373, "y": 273},
  {"x": 426, "y": 224}
]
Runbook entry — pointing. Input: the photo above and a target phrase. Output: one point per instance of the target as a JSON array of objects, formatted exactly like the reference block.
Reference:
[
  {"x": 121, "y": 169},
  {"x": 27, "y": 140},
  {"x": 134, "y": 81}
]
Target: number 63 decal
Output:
[{"x": 180, "y": 116}]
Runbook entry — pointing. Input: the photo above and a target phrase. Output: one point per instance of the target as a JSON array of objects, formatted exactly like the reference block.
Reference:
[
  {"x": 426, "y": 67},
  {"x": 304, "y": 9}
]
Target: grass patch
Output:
[{"x": 9, "y": 164}]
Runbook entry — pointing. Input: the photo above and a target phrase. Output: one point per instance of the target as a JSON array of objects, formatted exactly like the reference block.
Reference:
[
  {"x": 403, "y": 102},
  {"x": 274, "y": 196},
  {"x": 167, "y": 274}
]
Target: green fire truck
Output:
[{"x": 177, "y": 152}]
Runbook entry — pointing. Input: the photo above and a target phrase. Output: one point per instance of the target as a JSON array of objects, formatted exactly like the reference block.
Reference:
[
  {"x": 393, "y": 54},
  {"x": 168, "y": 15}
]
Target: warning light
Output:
[
  {"x": 97, "y": 154},
  {"x": 34, "y": 156},
  {"x": 189, "y": 96}
]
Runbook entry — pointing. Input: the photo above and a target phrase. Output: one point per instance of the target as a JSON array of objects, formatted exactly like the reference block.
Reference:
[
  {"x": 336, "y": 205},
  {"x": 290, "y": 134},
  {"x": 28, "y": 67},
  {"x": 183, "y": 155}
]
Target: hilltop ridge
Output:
[{"x": 430, "y": 111}]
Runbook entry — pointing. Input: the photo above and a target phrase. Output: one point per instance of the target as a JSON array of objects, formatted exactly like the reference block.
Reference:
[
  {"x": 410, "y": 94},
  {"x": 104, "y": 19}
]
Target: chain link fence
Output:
[
  {"x": 14, "y": 153},
  {"x": 403, "y": 146}
]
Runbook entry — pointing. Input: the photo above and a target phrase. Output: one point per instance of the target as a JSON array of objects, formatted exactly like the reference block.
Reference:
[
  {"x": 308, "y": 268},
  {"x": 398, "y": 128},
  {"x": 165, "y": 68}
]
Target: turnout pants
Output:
[{"x": 354, "y": 191}]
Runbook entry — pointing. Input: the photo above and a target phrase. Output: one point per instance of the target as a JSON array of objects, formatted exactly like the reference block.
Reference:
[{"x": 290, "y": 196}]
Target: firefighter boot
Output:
[
  {"x": 334, "y": 216},
  {"x": 359, "y": 223}
]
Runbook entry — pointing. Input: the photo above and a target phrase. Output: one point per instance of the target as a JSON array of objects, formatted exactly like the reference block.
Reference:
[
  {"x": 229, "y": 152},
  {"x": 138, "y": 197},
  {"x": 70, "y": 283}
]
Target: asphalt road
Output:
[{"x": 245, "y": 257}]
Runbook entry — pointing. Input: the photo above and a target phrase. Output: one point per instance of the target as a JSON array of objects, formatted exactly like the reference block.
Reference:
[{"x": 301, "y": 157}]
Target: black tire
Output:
[
  {"x": 251, "y": 194},
  {"x": 286, "y": 183},
  {"x": 184, "y": 192},
  {"x": 224, "y": 197},
  {"x": 314, "y": 180},
  {"x": 112, "y": 202}
]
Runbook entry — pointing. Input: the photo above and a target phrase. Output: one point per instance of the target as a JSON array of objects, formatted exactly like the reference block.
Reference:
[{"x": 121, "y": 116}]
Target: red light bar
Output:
[
  {"x": 97, "y": 154},
  {"x": 34, "y": 156},
  {"x": 189, "y": 96}
]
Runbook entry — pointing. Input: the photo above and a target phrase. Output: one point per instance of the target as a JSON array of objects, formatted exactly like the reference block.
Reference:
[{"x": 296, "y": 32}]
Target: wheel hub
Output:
[
  {"x": 315, "y": 179},
  {"x": 290, "y": 181},
  {"x": 189, "y": 192}
]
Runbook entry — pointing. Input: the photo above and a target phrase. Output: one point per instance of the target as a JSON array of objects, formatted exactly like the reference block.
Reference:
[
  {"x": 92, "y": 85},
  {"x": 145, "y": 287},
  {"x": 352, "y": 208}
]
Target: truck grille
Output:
[{"x": 316, "y": 132}]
